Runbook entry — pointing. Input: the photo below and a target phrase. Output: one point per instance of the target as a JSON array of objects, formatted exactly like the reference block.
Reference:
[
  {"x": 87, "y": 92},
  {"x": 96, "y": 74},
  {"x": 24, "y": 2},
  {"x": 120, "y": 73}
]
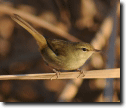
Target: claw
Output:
[
  {"x": 81, "y": 72},
  {"x": 57, "y": 74}
]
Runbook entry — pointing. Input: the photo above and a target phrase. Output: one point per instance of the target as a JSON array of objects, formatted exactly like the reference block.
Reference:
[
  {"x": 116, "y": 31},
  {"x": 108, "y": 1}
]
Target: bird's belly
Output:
[
  {"x": 73, "y": 65},
  {"x": 64, "y": 64}
]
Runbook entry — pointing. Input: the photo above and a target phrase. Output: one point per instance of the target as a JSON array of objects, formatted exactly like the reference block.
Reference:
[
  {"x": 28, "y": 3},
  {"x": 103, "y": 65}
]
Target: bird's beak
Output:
[{"x": 97, "y": 50}]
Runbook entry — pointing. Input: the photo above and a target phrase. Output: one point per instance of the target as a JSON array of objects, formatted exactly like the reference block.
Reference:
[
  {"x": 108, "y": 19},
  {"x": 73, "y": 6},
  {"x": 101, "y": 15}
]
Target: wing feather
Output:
[{"x": 59, "y": 47}]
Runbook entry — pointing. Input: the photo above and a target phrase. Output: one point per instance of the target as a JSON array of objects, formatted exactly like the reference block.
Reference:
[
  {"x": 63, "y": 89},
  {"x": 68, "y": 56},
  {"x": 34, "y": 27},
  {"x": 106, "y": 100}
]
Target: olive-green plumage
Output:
[{"x": 59, "y": 54}]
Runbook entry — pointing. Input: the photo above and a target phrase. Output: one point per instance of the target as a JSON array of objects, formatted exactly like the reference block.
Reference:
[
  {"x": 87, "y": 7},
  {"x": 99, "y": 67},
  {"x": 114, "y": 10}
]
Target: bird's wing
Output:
[{"x": 59, "y": 47}]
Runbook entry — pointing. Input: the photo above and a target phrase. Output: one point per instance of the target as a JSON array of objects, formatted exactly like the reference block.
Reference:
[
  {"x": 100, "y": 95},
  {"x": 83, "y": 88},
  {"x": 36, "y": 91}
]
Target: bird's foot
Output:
[
  {"x": 81, "y": 73},
  {"x": 57, "y": 74}
]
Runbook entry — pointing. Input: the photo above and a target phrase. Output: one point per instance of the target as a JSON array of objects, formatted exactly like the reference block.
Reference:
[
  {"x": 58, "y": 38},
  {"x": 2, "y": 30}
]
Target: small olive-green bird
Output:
[{"x": 59, "y": 54}]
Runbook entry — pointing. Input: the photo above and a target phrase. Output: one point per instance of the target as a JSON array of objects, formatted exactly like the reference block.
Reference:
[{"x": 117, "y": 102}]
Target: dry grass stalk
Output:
[{"x": 107, "y": 73}]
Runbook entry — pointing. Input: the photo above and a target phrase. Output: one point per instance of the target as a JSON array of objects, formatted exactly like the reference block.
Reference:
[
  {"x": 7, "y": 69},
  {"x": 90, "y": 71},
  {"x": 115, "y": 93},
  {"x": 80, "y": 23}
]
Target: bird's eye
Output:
[{"x": 84, "y": 49}]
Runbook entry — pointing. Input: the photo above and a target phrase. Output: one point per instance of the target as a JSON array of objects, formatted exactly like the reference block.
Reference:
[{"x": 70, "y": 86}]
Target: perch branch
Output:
[{"x": 107, "y": 73}]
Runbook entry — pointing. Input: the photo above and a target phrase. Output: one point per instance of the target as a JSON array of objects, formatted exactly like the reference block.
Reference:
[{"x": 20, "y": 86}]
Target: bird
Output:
[{"x": 60, "y": 55}]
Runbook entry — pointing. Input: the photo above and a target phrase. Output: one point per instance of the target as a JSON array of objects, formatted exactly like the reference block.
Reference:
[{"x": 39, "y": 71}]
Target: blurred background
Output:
[{"x": 93, "y": 21}]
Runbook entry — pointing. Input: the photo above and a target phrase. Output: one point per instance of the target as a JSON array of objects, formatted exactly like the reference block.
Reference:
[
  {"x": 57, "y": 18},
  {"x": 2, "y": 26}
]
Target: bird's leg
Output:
[
  {"x": 54, "y": 70},
  {"x": 57, "y": 74},
  {"x": 81, "y": 72}
]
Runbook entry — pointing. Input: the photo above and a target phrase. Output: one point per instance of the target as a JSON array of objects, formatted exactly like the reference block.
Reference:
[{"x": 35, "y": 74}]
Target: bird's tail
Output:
[{"x": 39, "y": 38}]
